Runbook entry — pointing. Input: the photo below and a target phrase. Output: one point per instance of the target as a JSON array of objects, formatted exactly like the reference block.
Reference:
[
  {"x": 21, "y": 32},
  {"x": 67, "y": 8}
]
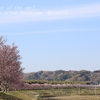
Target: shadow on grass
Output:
[{"x": 5, "y": 96}]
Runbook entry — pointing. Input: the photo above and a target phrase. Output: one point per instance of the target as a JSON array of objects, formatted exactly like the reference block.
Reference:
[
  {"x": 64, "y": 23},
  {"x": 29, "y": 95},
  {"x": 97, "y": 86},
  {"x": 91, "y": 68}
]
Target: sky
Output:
[{"x": 53, "y": 34}]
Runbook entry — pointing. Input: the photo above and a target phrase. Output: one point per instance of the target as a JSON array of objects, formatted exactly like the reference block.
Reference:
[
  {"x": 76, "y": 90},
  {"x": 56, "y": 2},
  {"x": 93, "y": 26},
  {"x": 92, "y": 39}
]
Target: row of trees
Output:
[
  {"x": 27, "y": 86},
  {"x": 55, "y": 82},
  {"x": 10, "y": 66}
]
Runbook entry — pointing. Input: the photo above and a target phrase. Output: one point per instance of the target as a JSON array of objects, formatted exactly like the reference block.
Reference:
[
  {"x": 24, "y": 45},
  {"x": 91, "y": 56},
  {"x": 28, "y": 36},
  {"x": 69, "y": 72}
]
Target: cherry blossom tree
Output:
[{"x": 10, "y": 65}]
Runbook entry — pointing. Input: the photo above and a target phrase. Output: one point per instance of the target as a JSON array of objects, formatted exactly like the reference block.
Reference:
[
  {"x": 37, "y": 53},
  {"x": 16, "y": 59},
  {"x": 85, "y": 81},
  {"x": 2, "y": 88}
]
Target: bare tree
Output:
[{"x": 10, "y": 65}]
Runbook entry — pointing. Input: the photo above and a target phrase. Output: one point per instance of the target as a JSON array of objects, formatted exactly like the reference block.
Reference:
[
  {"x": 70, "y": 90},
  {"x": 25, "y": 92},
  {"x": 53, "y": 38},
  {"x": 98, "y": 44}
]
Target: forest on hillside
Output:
[{"x": 83, "y": 75}]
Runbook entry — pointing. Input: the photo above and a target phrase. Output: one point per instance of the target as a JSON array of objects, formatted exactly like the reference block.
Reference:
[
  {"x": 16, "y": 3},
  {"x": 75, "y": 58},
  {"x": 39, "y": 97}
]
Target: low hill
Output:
[{"x": 83, "y": 75}]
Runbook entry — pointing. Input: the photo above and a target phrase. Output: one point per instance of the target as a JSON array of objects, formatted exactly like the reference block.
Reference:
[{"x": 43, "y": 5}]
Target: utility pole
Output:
[
  {"x": 95, "y": 90},
  {"x": 79, "y": 89}
]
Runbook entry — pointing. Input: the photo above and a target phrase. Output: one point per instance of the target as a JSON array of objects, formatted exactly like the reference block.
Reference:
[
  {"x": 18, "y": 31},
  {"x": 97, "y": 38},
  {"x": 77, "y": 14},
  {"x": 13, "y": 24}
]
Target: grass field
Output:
[{"x": 54, "y": 94}]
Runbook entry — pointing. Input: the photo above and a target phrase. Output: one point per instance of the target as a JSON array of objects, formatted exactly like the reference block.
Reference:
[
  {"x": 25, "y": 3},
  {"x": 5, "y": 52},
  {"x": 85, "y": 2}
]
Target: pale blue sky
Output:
[{"x": 53, "y": 34}]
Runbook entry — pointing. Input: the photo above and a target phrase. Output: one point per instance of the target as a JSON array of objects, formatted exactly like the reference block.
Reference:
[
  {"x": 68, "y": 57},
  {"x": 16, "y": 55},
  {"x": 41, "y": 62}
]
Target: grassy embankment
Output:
[
  {"x": 18, "y": 95},
  {"x": 55, "y": 94}
]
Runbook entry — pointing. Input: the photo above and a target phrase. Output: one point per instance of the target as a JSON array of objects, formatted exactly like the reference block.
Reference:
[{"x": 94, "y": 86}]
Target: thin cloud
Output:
[
  {"x": 92, "y": 10},
  {"x": 42, "y": 32},
  {"x": 51, "y": 31}
]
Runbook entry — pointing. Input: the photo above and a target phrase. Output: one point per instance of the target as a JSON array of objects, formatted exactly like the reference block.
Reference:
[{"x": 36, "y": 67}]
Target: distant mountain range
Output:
[{"x": 83, "y": 75}]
